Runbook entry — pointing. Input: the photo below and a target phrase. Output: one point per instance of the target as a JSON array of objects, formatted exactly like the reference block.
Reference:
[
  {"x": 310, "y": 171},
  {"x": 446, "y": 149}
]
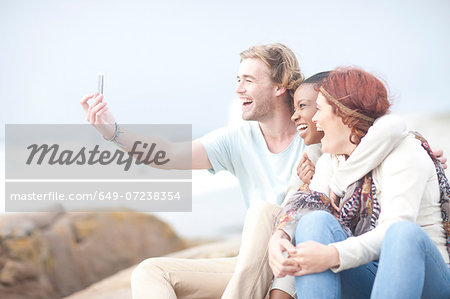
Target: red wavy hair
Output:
[{"x": 359, "y": 91}]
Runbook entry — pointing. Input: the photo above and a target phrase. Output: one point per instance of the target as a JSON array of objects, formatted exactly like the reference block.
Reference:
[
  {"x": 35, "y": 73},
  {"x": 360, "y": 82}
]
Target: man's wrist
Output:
[{"x": 115, "y": 138}]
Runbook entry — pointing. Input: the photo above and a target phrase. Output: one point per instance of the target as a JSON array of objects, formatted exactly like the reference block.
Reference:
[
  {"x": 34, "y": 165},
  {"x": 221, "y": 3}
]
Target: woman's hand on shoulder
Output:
[
  {"x": 439, "y": 154},
  {"x": 305, "y": 169}
]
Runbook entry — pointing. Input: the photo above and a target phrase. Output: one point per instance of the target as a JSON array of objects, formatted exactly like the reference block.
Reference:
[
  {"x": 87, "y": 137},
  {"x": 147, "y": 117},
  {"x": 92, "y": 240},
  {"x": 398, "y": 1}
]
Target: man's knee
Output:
[
  {"x": 263, "y": 207},
  {"x": 262, "y": 212},
  {"x": 151, "y": 267}
]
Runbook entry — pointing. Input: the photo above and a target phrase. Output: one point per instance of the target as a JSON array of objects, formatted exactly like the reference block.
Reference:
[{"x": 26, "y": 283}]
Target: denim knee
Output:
[
  {"x": 404, "y": 231},
  {"x": 404, "y": 234},
  {"x": 315, "y": 225}
]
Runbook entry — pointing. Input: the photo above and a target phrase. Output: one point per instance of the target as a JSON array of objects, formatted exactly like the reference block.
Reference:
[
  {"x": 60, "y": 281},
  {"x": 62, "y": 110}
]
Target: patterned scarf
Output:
[
  {"x": 359, "y": 208},
  {"x": 444, "y": 187}
]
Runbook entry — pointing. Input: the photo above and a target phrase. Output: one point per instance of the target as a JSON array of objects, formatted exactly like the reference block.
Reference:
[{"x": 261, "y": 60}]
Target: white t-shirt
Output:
[{"x": 243, "y": 151}]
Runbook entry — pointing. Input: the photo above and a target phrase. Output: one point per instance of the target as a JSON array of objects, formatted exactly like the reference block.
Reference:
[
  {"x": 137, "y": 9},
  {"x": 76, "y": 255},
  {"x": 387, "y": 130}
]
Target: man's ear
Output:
[{"x": 280, "y": 90}]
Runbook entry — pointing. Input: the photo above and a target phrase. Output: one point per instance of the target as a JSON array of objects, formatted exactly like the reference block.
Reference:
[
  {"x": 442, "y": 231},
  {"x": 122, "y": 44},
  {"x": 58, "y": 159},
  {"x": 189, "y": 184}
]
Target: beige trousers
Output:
[{"x": 246, "y": 276}]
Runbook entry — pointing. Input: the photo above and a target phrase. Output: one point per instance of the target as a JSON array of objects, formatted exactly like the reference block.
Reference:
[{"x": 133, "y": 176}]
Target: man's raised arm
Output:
[{"x": 183, "y": 155}]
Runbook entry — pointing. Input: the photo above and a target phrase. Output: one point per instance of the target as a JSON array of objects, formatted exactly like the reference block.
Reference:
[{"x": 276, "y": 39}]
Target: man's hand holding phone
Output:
[{"x": 97, "y": 112}]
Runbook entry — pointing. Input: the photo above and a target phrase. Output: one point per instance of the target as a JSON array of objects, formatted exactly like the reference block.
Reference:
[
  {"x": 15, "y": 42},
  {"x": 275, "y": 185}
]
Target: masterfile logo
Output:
[
  {"x": 94, "y": 156},
  {"x": 73, "y": 166}
]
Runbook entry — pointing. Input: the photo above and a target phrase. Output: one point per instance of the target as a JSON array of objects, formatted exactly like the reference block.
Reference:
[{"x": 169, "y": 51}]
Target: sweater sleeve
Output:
[
  {"x": 386, "y": 133},
  {"x": 324, "y": 172},
  {"x": 400, "y": 181}
]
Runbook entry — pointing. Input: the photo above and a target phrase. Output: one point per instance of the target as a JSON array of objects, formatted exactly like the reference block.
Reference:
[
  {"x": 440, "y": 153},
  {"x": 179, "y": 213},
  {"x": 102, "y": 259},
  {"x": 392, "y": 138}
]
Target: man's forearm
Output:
[{"x": 156, "y": 152}]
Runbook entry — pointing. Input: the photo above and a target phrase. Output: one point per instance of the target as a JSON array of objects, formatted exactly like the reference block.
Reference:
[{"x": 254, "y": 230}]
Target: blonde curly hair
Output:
[{"x": 282, "y": 63}]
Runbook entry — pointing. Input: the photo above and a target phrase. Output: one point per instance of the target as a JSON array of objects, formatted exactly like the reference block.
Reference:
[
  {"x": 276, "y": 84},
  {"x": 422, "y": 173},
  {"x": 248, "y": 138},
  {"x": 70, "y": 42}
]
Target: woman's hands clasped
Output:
[
  {"x": 281, "y": 265},
  {"x": 305, "y": 258},
  {"x": 313, "y": 257}
]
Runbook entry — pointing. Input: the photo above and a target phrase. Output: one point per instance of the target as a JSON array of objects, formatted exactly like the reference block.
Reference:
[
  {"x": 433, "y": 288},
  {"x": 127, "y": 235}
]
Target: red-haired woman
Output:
[{"x": 385, "y": 238}]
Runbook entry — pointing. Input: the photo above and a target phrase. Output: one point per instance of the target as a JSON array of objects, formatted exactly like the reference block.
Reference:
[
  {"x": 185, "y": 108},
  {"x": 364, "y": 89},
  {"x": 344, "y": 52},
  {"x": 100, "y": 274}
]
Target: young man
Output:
[{"x": 261, "y": 153}]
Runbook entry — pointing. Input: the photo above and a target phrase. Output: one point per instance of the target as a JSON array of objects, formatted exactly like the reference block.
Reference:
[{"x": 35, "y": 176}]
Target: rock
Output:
[
  {"x": 13, "y": 272},
  {"x": 118, "y": 285},
  {"x": 19, "y": 225},
  {"x": 21, "y": 229},
  {"x": 51, "y": 255}
]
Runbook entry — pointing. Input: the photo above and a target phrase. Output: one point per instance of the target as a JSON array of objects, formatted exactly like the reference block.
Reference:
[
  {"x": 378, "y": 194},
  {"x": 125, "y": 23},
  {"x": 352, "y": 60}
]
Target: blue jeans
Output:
[{"x": 410, "y": 265}]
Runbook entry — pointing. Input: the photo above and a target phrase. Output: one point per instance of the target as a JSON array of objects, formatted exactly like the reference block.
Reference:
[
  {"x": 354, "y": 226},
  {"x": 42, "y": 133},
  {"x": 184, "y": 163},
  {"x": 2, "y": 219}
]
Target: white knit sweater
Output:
[{"x": 407, "y": 189}]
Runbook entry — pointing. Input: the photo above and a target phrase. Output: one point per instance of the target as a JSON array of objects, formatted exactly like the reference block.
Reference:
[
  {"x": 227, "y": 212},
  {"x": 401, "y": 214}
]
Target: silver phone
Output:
[{"x": 100, "y": 83}]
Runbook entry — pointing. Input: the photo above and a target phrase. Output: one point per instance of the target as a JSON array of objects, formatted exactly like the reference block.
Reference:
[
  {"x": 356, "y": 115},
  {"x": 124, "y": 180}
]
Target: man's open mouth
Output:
[{"x": 246, "y": 102}]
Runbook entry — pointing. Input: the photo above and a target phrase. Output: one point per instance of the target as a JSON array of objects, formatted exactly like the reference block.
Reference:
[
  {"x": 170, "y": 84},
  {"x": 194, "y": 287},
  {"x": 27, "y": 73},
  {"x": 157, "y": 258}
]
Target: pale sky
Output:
[{"x": 176, "y": 61}]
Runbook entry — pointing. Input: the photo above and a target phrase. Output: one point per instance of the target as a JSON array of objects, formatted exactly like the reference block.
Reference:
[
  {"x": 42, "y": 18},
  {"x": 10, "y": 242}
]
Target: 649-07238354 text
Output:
[{"x": 98, "y": 195}]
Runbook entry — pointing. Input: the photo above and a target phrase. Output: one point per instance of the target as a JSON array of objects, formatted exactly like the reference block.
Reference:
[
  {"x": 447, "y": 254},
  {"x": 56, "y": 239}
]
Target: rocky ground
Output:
[{"x": 54, "y": 254}]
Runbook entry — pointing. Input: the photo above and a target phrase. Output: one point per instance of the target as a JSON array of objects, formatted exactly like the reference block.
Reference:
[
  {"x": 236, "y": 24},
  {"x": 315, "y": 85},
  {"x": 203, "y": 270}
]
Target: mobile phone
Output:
[{"x": 100, "y": 83}]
